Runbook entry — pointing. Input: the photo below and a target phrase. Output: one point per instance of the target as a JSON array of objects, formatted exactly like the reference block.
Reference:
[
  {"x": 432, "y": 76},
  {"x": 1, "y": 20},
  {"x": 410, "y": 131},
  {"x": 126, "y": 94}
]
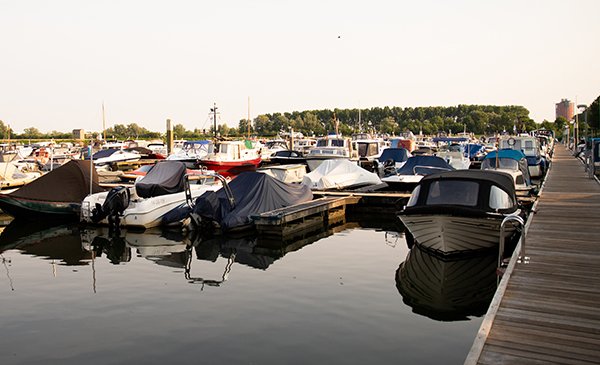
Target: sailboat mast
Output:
[
  {"x": 103, "y": 124},
  {"x": 248, "y": 121}
]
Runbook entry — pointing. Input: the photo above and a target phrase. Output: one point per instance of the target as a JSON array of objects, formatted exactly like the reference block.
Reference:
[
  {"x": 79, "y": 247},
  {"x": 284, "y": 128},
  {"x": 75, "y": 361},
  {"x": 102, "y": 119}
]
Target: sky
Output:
[{"x": 149, "y": 61}]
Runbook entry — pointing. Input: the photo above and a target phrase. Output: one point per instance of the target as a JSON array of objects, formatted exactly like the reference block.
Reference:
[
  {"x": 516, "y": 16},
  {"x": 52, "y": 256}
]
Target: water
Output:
[{"x": 73, "y": 296}]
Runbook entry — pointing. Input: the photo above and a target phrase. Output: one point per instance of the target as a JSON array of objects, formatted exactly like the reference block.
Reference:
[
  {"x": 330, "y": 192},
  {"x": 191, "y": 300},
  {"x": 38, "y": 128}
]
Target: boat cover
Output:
[
  {"x": 166, "y": 177},
  {"x": 396, "y": 154},
  {"x": 104, "y": 153},
  {"x": 500, "y": 179},
  {"x": 507, "y": 154},
  {"x": 425, "y": 161},
  {"x": 254, "y": 193},
  {"x": 339, "y": 173},
  {"x": 68, "y": 183}
]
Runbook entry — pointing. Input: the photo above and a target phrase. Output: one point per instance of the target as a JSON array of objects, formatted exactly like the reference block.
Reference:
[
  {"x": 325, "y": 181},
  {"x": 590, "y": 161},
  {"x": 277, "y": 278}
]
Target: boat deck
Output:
[{"x": 546, "y": 308}]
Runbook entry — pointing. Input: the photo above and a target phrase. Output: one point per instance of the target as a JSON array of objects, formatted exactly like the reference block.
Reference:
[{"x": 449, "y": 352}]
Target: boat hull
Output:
[
  {"x": 35, "y": 209},
  {"x": 447, "y": 234},
  {"x": 145, "y": 213}
]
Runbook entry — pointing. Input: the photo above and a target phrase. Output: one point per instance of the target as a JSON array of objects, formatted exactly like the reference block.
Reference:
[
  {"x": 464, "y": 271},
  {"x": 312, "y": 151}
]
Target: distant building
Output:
[
  {"x": 78, "y": 134},
  {"x": 565, "y": 109}
]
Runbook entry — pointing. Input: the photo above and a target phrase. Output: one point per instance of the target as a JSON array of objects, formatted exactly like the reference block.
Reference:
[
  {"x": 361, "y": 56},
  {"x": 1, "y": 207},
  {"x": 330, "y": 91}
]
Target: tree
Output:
[
  {"x": 32, "y": 132},
  {"x": 179, "y": 130}
]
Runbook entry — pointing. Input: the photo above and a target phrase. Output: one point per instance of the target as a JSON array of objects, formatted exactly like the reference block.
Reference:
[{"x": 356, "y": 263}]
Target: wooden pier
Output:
[
  {"x": 547, "y": 307},
  {"x": 302, "y": 217}
]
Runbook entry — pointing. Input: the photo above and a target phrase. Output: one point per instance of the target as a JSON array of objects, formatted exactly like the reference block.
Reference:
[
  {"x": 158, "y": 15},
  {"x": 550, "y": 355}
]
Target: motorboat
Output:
[
  {"x": 304, "y": 145},
  {"x": 327, "y": 148},
  {"x": 271, "y": 147},
  {"x": 286, "y": 157},
  {"x": 530, "y": 146},
  {"x": 106, "y": 157},
  {"x": 454, "y": 154},
  {"x": 413, "y": 170},
  {"x": 292, "y": 173},
  {"x": 461, "y": 211},
  {"x": 367, "y": 147},
  {"x": 11, "y": 176},
  {"x": 447, "y": 289},
  {"x": 391, "y": 159},
  {"x": 475, "y": 152},
  {"x": 339, "y": 174},
  {"x": 250, "y": 193},
  {"x": 55, "y": 195},
  {"x": 230, "y": 158},
  {"x": 160, "y": 198},
  {"x": 514, "y": 163},
  {"x": 191, "y": 152}
]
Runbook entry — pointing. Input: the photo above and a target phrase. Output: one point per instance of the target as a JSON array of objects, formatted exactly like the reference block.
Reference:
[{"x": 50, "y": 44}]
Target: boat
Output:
[
  {"x": 56, "y": 195},
  {"x": 413, "y": 170},
  {"x": 530, "y": 146},
  {"x": 191, "y": 152},
  {"x": 454, "y": 154},
  {"x": 230, "y": 158},
  {"x": 109, "y": 156},
  {"x": 250, "y": 193},
  {"x": 271, "y": 147},
  {"x": 327, "y": 148},
  {"x": 461, "y": 211},
  {"x": 11, "y": 176},
  {"x": 391, "y": 159},
  {"x": 292, "y": 173},
  {"x": 160, "y": 198},
  {"x": 288, "y": 157},
  {"x": 514, "y": 163},
  {"x": 304, "y": 145},
  {"x": 339, "y": 174},
  {"x": 447, "y": 290}
]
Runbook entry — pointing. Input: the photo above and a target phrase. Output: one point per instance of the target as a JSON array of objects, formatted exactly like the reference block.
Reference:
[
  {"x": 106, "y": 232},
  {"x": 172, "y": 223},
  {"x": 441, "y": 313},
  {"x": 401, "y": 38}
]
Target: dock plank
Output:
[{"x": 548, "y": 312}]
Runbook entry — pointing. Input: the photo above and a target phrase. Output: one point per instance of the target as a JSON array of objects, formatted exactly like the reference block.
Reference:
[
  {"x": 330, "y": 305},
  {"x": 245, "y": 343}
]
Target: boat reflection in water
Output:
[
  {"x": 48, "y": 240},
  {"x": 447, "y": 290}
]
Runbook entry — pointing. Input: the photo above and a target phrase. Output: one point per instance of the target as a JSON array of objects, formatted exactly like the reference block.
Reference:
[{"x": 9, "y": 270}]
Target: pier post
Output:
[{"x": 169, "y": 137}]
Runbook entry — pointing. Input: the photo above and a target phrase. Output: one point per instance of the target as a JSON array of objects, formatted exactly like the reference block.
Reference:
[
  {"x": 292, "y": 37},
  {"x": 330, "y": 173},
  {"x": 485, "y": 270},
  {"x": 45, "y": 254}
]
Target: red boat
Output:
[{"x": 232, "y": 157}]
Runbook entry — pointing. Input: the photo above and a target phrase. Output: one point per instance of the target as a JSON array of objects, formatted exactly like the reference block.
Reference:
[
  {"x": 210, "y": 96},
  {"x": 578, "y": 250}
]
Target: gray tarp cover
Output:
[
  {"x": 254, "y": 193},
  {"x": 164, "y": 178},
  {"x": 68, "y": 183}
]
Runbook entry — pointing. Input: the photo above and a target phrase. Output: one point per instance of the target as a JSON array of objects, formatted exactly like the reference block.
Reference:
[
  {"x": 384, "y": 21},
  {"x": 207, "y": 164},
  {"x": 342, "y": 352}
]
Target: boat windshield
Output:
[{"x": 453, "y": 192}]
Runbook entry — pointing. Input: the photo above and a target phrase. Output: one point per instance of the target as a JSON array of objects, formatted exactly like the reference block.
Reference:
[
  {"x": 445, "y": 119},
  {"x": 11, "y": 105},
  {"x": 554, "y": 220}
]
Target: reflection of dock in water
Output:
[{"x": 447, "y": 290}]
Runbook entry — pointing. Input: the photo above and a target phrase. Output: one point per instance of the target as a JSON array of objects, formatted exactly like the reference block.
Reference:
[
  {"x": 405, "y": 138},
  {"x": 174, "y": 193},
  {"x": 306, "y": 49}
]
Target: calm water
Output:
[{"x": 346, "y": 295}]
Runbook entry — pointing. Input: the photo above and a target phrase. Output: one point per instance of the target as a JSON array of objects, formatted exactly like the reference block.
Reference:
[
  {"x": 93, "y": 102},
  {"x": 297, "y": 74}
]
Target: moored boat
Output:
[
  {"x": 55, "y": 195},
  {"x": 230, "y": 158},
  {"x": 461, "y": 211}
]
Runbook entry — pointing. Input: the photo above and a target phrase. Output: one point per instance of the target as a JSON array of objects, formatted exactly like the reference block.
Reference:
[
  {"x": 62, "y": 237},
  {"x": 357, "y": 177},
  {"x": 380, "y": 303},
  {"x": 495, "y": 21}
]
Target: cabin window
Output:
[
  {"x": 223, "y": 148},
  {"x": 414, "y": 197},
  {"x": 453, "y": 192},
  {"x": 499, "y": 199},
  {"x": 519, "y": 180},
  {"x": 337, "y": 142}
]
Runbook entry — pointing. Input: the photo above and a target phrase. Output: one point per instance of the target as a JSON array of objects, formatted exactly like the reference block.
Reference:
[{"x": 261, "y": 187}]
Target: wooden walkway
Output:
[{"x": 547, "y": 310}]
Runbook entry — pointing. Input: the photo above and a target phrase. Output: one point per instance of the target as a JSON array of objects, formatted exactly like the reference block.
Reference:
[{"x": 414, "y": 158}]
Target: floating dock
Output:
[
  {"x": 546, "y": 308},
  {"x": 301, "y": 217}
]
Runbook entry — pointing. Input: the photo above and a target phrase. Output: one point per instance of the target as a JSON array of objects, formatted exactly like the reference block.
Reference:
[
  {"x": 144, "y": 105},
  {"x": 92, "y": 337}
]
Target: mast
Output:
[
  {"x": 214, "y": 111},
  {"x": 103, "y": 124},
  {"x": 248, "y": 121}
]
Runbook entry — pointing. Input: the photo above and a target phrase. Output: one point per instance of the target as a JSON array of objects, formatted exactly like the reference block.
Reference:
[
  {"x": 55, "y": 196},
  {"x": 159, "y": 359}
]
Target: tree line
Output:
[{"x": 478, "y": 119}]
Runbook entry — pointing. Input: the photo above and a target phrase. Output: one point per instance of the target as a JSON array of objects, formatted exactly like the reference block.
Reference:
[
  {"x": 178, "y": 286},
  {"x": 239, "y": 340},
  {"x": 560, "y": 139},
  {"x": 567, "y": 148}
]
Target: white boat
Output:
[
  {"x": 12, "y": 176},
  {"x": 368, "y": 148},
  {"x": 192, "y": 152},
  {"x": 514, "y": 163},
  {"x": 112, "y": 155},
  {"x": 454, "y": 154},
  {"x": 293, "y": 173},
  {"x": 530, "y": 146},
  {"x": 271, "y": 147},
  {"x": 327, "y": 148},
  {"x": 153, "y": 201},
  {"x": 412, "y": 171},
  {"x": 304, "y": 145},
  {"x": 339, "y": 174},
  {"x": 461, "y": 211}
]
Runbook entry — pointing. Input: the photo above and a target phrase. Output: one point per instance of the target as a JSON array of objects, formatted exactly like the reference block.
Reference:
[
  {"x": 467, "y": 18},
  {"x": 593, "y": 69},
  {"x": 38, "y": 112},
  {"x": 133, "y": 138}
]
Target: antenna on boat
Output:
[{"x": 90, "y": 150}]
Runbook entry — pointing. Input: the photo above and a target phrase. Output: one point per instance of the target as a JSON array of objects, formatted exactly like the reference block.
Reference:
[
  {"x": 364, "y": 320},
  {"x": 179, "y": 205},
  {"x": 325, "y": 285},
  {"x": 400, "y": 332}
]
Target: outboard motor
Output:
[
  {"x": 115, "y": 204},
  {"x": 389, "y": 166}
]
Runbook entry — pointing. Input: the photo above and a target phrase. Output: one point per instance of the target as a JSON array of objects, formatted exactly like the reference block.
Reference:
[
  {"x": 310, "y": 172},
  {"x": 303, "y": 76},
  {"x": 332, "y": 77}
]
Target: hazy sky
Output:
[{"x": 153, "y": 60}]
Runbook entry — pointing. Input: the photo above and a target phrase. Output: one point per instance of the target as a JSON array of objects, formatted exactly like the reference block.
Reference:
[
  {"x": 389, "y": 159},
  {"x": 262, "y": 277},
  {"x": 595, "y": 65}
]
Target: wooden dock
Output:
[
  {"x": 303, "y": 217},
  {"x": 547, "y": 307}
]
